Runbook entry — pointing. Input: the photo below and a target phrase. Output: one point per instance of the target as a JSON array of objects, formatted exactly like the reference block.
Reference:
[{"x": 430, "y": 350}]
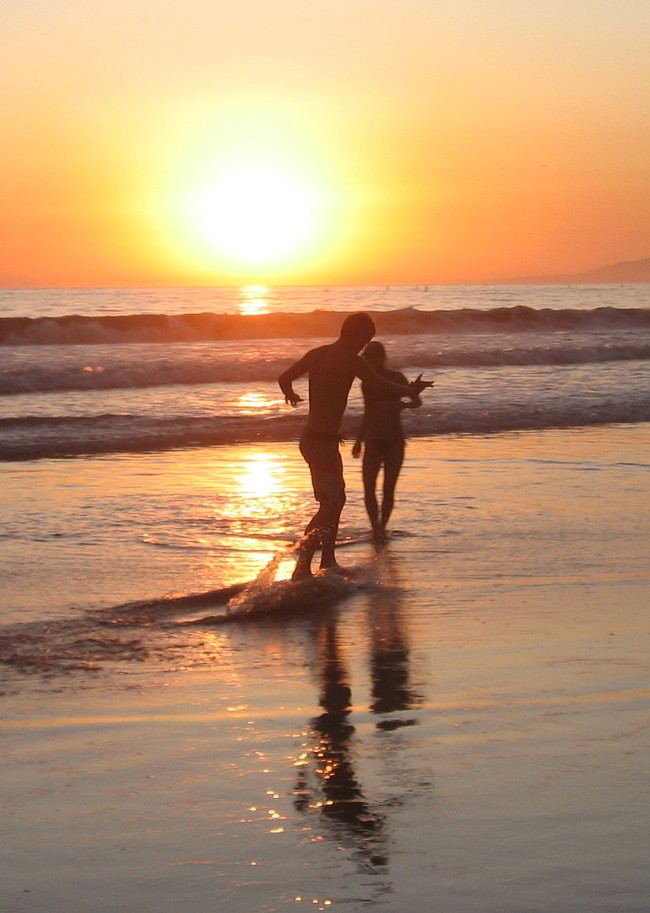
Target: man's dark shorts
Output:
[{"x": 321, "y": 453}]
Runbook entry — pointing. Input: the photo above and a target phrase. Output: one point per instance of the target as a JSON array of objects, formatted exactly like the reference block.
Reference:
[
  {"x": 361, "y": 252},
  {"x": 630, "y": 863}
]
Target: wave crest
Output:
[{"x": 74, "y": 329}]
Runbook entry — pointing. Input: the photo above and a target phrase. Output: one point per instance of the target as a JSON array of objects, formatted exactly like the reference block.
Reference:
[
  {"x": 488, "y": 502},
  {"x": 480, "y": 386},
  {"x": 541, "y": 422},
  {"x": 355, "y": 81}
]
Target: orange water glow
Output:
[
  {"x": 254, "y": 299},
  {"x": 260, "y": 494},
  {"x": 253, "y": 403}
]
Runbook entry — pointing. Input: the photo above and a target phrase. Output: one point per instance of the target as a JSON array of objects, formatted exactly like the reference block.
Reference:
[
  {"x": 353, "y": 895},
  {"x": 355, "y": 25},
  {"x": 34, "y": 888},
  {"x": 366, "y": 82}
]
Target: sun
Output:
[
  {"x": 256, "y": 214},
  {"x": 248, "y": 206}
]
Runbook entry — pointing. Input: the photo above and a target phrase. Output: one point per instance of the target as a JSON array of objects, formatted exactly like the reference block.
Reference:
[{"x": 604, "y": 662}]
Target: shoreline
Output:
[{"x": 471, "y": 733}]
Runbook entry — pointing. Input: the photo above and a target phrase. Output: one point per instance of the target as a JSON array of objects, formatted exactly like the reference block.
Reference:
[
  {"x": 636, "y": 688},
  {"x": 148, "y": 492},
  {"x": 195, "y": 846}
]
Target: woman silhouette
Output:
[{"x": 383, "y": 435}]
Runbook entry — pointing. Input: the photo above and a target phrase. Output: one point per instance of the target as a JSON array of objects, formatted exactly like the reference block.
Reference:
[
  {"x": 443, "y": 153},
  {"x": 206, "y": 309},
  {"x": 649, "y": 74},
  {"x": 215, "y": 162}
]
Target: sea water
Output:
[
  {"x": 88, "y": 371},
  {"x": 147, "y": 449},
  {"x": 469, "y": 731}
]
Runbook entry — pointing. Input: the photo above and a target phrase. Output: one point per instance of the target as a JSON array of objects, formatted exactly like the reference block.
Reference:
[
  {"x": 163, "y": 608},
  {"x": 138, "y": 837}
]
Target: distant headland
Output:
[{"x": 625, "y": 271}]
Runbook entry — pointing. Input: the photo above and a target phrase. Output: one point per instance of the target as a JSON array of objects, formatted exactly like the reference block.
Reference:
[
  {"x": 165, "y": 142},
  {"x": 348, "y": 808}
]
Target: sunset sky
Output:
[{"x": 159, "y": 142}]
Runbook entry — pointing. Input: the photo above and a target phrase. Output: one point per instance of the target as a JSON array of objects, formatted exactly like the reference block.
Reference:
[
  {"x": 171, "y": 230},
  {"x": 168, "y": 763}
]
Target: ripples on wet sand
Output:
[{"x": 469, "y": 733}]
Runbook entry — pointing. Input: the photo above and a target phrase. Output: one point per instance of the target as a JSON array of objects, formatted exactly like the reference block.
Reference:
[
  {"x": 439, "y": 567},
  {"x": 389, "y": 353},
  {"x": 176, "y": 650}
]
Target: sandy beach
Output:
[{"x": 468, "y": 734}]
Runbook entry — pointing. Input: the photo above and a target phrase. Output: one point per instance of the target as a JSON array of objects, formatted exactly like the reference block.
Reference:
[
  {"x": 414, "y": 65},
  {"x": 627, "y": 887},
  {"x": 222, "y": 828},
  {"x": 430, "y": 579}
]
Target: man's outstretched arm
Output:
[
  {"x": 287, "y": 378},
  {"x": 413, "y": 390}
]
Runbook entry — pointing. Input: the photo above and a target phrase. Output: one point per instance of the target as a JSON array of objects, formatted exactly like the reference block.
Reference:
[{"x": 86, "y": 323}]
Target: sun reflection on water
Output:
[
  {"x": 253, "y": 403},
  {"x": 260, "y": 483},
  {"x": 254, "y": 299},
  {"x": 256, "y": 508}
]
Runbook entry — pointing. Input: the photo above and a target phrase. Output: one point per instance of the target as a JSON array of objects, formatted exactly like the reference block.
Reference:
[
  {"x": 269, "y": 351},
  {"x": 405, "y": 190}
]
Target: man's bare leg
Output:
[
  {"x": 305, "y": 549},
  {"x": 331, "y": 517},
  {"x": 302, "y": 570},
  {"x": 326, "y": 469},
  {"x": 320, "y": 533},
  {"x": 328, "y": 539}
]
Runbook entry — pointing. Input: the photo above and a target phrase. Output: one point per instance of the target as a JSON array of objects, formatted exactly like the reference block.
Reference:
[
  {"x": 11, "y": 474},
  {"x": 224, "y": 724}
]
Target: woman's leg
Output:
[
  {"x": 370, "y": 470},
  {"x": 393, "y": 459}
]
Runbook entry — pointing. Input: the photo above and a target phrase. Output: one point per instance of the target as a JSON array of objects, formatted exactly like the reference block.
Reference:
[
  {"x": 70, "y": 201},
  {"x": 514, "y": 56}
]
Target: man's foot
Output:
[
  {"x": 302, "y": 571},
  {"x": 339, "y": 570}
]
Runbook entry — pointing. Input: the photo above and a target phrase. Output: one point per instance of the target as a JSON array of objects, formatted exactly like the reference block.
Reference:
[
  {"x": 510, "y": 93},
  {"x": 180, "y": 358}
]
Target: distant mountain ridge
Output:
[{"x": 625, "y": 271}]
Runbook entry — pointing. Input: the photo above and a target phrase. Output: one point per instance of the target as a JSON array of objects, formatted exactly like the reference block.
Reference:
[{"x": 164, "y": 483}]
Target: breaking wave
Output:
[{"x": 74, "y": 329}]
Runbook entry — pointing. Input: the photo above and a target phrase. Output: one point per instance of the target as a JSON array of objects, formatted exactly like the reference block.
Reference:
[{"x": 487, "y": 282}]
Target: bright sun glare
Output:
[{"x": 256, "y": 214}]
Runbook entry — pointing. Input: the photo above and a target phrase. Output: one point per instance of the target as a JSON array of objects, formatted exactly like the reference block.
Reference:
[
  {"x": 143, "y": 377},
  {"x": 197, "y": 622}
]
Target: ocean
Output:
[
  {"x": 463, "y": 726},
  {"x": 146, "y": 447},
  {"x": 91, "y": 371}
]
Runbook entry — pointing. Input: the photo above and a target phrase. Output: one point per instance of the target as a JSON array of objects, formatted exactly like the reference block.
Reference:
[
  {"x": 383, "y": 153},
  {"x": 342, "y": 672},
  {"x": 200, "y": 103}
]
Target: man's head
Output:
[{"x": 358, "y": 329}]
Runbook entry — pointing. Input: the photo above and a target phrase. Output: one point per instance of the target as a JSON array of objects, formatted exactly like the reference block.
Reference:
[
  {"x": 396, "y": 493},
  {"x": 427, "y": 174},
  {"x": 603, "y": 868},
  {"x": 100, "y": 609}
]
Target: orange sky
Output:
[{"x": 428, "y": 141}]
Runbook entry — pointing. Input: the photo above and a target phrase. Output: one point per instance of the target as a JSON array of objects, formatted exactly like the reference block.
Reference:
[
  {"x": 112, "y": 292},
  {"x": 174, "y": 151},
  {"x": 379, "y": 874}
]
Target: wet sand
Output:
[{"x": 468, "y": 734}]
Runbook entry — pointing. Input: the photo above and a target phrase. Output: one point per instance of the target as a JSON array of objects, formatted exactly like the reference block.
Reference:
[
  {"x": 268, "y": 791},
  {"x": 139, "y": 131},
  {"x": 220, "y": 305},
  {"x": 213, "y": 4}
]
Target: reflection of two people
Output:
[
  {"x": 327, "y": 780},
  {"x": 341, "y": 797}
]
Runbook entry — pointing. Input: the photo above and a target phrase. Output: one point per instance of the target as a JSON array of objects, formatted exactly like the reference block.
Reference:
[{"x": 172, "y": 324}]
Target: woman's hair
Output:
[{"x": 375, "y": 353}]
